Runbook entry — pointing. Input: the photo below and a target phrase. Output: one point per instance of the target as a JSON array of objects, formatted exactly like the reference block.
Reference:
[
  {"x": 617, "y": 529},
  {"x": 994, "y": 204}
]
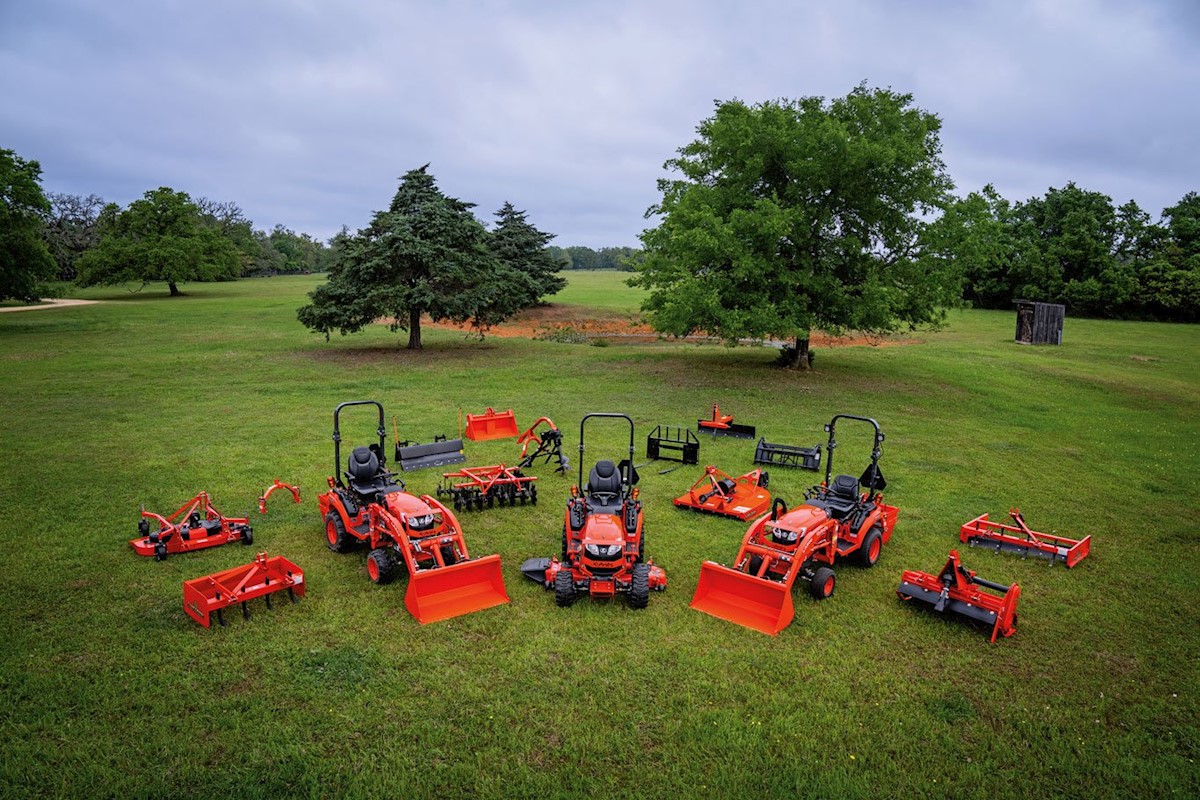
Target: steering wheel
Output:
[{"x": 601, "y": 496}]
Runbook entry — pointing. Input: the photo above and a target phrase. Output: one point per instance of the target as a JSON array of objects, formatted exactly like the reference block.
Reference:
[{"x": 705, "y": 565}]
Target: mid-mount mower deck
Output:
[
  {"x": 371, "y": 506},
  {"x": 194, "y": 526},
  {"x": 956, "y": 590},
  {"x": 717, "y": 492},
  {"x": 835, "y": 521},
  {"x": 603, "y": 540}
]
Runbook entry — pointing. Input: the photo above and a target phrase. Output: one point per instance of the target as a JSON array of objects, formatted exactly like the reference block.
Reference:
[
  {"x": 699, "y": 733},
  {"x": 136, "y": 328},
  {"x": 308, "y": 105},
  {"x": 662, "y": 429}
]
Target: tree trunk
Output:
[
  {"x": 414, "y": 329},
  {"x": 798, "y": 356},
  {"x": 174, "y": 289}
]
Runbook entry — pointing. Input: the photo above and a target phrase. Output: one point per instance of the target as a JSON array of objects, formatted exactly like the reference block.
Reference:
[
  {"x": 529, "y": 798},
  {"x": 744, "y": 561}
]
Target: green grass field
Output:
[{"x": 108, "y": 689}]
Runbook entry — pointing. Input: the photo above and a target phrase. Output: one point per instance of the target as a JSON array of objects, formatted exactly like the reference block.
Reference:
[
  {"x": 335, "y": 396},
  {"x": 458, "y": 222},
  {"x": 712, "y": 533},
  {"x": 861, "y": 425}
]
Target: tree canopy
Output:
[
  {"x": 25, "y": 262},
  {"x": 160, "y": 237},
  {"x": 797, "y": 215}
]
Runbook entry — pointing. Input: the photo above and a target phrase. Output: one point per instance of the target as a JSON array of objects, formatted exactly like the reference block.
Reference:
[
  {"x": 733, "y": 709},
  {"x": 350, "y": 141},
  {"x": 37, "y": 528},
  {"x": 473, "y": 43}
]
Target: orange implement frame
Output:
[
  {"x": 455, "y": 589},
  {"x": 195, "y": 525},
  {"x": 278, "y": 484},
  {"x": 491, "y": 424},
  {"x": 954, "y": 590},
  {"x": 202, "y": 597},
  {"x": 723, "y": 425},
  {"x": 1018, "y": 538},
  {"x": 717, "y": 492}
]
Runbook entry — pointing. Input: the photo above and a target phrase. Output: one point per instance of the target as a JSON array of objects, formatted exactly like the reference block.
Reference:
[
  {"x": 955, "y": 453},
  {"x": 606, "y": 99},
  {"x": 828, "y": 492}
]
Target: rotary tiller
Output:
[
  {"x": 194, "y": 526},
  {"x": 548, "y": 446},
  {"x": 717, "y": 492},
  {"x": 957, "y": 590},
  {"x": 371, "y": 506},
  {"x": 723, "y": 425},
  {"x": 835, "y": 521},
  {"x": 1018, "y": 538},
  {"x": 484, "y": 487},
  {"x": 262, "y": 577},
  {"x": 603, "y": 540}
]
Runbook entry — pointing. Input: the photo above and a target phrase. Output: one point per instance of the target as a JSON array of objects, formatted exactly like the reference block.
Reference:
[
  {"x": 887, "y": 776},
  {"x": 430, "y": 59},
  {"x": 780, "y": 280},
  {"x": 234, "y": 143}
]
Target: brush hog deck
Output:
[
  {"x": 210, "y": 594},
  {"x": 717, "y": 492},
  {"x": 957, "y": 591},
  {"x": 466, "y": 587},
  {"x": 1019, "y": 539}
]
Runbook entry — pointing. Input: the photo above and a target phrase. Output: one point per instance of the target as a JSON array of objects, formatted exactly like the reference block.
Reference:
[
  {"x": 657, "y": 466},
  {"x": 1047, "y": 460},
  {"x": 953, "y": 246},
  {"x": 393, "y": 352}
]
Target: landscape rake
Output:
[
  {"x": 208, "y": 595},
  {"x": 1018, "y": 538},
  {"x": 957, "y": 590}
]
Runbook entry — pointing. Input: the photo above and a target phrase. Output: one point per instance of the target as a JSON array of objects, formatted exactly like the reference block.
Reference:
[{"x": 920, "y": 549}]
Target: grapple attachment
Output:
[
  {"x": 956, "y": 590},
  {"x": 207, "y": 595},
  {"x": 491, "y": 425},
  {"x": 761, "y": 604},
  {"x": 443, "y": 592},
  {"x": 1019, "y": 539}
]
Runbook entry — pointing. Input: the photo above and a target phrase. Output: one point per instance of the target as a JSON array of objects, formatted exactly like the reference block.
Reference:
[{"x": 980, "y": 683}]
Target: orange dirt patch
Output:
[{"x": 590, "y": 323}]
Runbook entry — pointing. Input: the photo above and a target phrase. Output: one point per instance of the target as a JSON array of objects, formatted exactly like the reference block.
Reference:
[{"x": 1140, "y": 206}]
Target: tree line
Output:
[{"x": 579, "y": 257}]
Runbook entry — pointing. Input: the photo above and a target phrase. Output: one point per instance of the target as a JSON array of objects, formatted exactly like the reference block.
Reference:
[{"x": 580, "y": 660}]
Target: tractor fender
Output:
[{"x": 875, "y": 516}]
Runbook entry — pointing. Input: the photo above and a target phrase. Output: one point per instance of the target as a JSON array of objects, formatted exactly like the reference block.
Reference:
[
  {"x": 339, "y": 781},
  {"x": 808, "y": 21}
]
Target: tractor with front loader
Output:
[
  {"x": 843, "y": 517},
  {"x": 367, "y": 504},
  {"x": 603, "y": 539}
]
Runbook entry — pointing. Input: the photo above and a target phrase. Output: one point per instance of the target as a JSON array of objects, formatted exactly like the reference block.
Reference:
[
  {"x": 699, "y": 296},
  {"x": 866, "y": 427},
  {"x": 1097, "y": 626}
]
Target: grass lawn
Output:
[{"x": 107, "y": 688}]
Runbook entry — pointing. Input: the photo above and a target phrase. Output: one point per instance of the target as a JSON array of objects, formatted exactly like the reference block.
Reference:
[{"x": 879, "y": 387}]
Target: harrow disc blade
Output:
[
  {"x": 756, "y": 603},
  {"x": 437, "y": 594}
]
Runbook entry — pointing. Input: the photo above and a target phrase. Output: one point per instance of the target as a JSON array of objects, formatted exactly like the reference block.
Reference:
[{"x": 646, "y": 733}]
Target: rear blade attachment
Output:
[
  {"x": 439, "y": 453},
  {"x": 956, "y": 591},
  {"x": 208, "y": 595},
  {"x": 441, "y": 593},
  {"x": 1019, "y": 539},
  {"x": 757, "y": 603}
]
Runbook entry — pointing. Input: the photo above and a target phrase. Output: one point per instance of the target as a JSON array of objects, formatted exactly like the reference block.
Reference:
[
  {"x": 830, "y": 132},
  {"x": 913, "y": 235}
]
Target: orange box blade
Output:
[
  {"x": 446, "y": 592},
  {"x": 755, "y": 603}
]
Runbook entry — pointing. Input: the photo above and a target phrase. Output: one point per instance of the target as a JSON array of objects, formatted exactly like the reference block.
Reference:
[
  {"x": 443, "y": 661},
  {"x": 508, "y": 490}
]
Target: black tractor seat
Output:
[
  {"x": 841, "y": 498},
  {"x": 604, "y": 489},
  {"x": 365, "y": 476}
]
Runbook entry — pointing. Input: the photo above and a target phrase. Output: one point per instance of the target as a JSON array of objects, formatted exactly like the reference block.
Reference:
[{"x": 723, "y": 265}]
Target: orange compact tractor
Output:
[
  {"x": 371, "y": 506},
  {"x": 841, "y": 517},
  {"x": 603, "y": 539}
]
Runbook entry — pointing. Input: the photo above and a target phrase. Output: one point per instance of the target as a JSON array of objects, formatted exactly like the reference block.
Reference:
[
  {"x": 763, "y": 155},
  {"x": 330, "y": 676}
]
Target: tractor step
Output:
[
  {"x": 786, "y": 455},
  {"x": 956, "y": 590},
  {"x": 208, "y": 595}
]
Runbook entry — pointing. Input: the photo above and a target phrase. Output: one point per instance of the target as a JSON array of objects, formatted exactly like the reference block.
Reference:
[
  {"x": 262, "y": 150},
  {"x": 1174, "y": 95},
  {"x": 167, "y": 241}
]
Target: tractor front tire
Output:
[
  {"x": 754, "y": 565},
  {"x": 564, "y": 588},
  {"x": 335, "y": 533},
  {"x": 247, "y": 535},
  {"x": 639, "y": 586},
  {"x": 381, "y": 565},
  {"x": 822, "y": 584},
  {"x": 872, "y": 544},
  {"x": 448, "y": 557}
]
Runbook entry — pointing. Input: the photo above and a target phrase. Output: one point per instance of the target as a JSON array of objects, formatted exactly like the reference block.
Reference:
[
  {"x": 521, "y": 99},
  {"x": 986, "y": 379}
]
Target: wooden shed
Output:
[{"x": 1039, "y": 323}]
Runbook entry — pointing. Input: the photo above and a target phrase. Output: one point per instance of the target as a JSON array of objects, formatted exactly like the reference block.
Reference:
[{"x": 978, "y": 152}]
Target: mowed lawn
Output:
[{"x": 108, "y": 689}]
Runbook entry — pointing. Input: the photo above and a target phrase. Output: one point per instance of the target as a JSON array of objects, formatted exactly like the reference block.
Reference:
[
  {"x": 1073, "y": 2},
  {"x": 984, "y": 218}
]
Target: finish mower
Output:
[
  {"x": 194, "y": 526},
  {"x": 716, "y": 492},
  {"x": 371, "y": 506},
  {"x": 835, "y": 520},
  {"x": 603, "y": 538}
]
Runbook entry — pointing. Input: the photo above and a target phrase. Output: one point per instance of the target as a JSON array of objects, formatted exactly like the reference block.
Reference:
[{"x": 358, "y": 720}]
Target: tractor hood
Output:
[
  {"x": 802, "y": 517},
  {"x": 402, "y": 504},
  {"x": 603, "y": 529}
]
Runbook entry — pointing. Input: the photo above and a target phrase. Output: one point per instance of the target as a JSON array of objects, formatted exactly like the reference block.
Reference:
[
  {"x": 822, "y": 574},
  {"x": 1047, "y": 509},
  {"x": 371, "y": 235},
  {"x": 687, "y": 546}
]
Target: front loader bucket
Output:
[
  {"x": 444, "y": 592},
  {"x": 757, "y": 603}
]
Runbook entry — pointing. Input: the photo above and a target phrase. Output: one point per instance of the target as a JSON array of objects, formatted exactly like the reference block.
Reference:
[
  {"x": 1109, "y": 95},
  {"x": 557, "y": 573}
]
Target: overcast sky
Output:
[{"x": 307, "y": 113}]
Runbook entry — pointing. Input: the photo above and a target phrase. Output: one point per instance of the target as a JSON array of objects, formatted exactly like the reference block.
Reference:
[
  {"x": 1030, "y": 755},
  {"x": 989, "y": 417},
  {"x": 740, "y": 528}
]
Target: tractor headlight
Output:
[
  {"x": 421, "y": 523},
  {"x": 780, "y": 536},
  {"x": 603, "y": 550}
]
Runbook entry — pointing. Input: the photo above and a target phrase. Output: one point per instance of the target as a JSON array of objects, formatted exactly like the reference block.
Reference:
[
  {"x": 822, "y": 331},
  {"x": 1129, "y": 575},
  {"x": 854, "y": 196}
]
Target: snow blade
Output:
[
  {"x": 452, "y": 591},
  {"x": 756, "y": 603}
]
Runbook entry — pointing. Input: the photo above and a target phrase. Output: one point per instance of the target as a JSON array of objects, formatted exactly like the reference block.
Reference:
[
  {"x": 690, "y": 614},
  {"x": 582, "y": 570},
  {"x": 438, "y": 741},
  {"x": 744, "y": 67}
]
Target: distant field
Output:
[{"x": 107, "y": 688}]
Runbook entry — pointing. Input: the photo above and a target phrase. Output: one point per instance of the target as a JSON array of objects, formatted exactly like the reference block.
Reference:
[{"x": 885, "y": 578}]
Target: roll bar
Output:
[
  {"x": 337, "y": 436},
  {"x": 876, "y": 451},
  {"x": 628, "y": 479}
]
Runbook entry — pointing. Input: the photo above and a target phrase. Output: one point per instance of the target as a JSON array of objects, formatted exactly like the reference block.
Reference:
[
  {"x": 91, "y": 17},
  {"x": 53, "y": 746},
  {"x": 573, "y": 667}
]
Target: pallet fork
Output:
[
  {"x": 1018, "y": 538},
  {"x": 957, "y": 590},
  {"x": 673, "y": 444},
  {"x": 209, "y": 594}
]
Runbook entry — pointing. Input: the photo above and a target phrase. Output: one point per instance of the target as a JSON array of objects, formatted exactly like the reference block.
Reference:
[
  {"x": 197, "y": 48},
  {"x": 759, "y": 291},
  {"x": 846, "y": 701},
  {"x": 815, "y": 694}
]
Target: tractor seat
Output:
[
  {"x": 365, "y": 476},
  {"x": 604, "y": 488},
  {"x": 841, "y": 497}
]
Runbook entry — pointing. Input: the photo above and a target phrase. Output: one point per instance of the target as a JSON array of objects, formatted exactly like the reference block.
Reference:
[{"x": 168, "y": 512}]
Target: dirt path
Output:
[{"x": 51, "y": 304}]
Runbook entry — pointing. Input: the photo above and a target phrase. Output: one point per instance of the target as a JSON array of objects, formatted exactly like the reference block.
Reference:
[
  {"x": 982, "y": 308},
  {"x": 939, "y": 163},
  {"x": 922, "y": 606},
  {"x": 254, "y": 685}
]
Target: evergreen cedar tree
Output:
[
  {"x": 427, "y": 254},
  {"x": 160, "y": 237},
  {"x": 797, "y": 215},
  {"x": 25, "y": 262}
]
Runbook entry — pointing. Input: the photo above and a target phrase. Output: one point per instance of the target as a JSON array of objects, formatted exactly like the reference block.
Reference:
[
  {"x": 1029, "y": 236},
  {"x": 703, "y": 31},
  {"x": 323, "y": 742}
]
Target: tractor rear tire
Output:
[
  {"x": 872, "y": 545},
  {"x": 335, "y": 533},
  {"x": 564, "y": 588},
  {"x": 822, "y": 584},
  {"x": 639, "y": 586},
  {"x": 381, "y": 565}
]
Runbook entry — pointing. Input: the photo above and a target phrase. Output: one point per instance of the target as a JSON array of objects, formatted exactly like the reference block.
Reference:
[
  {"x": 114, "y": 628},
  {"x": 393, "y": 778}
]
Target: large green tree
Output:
[
  {"x": 425, "y": 254},
  {"x": 523, "y": 249},
  {"x": 25, "y": 262},
  {"x": 160, "y": 237},
  {"x": 798, "y": 215},
  {"x": 72, "y": 228}
]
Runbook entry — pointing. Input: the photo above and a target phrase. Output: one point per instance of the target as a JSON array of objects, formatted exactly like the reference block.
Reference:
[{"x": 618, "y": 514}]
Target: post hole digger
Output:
[
  {"x": 603, "y": 539},
  {"x": 371, "y": 506},
  {"x": 835, "y": 520},
  {"x": 957, "y": 590}
]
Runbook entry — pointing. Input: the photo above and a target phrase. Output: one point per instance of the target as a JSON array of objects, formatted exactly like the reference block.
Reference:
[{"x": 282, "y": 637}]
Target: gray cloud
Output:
[{"x": 306, "y": 114}]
